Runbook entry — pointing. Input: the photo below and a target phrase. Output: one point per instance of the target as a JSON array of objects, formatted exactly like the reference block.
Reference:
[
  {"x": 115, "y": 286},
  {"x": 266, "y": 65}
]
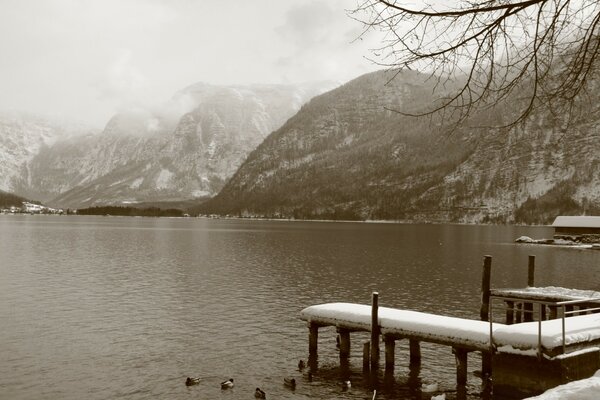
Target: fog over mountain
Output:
[{"x": 184, "y": 150}]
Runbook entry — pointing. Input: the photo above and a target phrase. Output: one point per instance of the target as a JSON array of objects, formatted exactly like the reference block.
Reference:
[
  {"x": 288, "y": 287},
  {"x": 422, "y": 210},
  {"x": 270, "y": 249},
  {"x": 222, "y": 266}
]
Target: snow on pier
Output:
[
  {"x": 402, "y": 323},
  {"x": 458, "y": 332}
]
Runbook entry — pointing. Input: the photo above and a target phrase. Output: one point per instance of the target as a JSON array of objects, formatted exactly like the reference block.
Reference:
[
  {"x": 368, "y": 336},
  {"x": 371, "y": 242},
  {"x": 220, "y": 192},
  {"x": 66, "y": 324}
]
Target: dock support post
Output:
[
  {"x": 486, "y": 357},
  {"x": 415, "y": 352},
  {"x": 366, "y": 356},
  {"x": 313, "y": 339},
  {"x": 528, "y": 307},
  {"x": 461, "y": 365},
  {"x": 510, "y": 312},
  {"x": 390, "y": 354},
  {"x": 344, "y": 343},
  {"x": 485, "y": 288},
  {"x": 518, "y": 313},
  {"x": 531, "y": 272},
  {"x": 375, "y": 331}
]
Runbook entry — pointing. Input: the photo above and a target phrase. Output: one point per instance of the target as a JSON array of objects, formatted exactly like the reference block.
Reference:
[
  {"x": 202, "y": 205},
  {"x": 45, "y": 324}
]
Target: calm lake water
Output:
[{"x": 127, "y": 308}]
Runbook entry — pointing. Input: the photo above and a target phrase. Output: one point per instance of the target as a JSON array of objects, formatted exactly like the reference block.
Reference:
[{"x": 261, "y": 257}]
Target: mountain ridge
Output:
[{"x": 346, "y": 156}]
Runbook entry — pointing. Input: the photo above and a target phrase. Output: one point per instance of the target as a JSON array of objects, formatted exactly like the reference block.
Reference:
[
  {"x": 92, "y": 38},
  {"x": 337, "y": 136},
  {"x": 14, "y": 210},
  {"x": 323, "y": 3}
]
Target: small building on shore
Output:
[{"x": 576, "y": 226}]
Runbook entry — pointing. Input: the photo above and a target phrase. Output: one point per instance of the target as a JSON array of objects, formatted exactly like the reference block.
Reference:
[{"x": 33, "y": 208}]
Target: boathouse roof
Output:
[{"x": 576, "y": 222}]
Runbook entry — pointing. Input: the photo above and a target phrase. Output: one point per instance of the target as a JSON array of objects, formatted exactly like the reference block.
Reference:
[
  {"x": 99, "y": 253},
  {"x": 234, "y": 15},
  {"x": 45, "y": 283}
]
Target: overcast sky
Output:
[{"x": 86, "y": 59}]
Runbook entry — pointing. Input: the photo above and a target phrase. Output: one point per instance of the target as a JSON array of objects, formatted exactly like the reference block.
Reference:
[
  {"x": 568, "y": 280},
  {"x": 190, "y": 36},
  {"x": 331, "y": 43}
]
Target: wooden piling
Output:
[
  {"x": 313, "y": 339},
  {"x": 485, "y": 288},
  {"x": 375, "y": 331},
  {"x": 461, "y": 365},
  {"x": 518, "y": 313},
  {"x": 415, "y": 352},
  {"x": 486, "y": 358},
  {"x": 531, "y": 272},
  {"x": 528, "y": 307},
  {"x": 366, "y": 356},
  {"x": 344, "y": 343},
  {"x": 390, "y": 354}
]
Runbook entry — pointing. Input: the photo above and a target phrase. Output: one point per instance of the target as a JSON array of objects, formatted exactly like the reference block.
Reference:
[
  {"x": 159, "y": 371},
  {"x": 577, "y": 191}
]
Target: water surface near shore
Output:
[{"x": 109, "y": 307}]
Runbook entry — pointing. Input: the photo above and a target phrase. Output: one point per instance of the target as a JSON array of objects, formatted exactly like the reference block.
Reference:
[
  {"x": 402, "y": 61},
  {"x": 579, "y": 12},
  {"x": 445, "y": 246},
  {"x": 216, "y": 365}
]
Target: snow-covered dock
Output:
[
  {"x": 451, "y": 331},
  {"x": 550, "y": 336},
  {"x": 468, "y": 334},
  {"x": 524, "y": 347}
]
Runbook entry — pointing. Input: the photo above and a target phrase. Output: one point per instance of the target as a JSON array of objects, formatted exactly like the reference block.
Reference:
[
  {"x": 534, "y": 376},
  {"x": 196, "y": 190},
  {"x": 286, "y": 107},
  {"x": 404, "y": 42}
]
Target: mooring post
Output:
[
  {"x": 485, "y": 288},
  {"x": 375, "y": 331},
  {"x": 415, "y": 352},
  {"x": 461, "y": 365},
  {"x": 486, "y": 357},
  {"x": 528, "y": 307},
  {"x": 531, "y": 272},
  {"x": 344, "y": 342},
  {"x": 313, "y": 339},
  {"x": 366, "y": 356},
  {"x": 390, "y": 354}
]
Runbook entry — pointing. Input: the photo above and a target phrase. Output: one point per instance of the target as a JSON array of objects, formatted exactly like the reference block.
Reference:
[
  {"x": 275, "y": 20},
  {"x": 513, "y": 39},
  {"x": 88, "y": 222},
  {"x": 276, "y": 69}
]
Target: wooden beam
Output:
[
  {"x": 375, "y": 331},
  {"x": 415, "y": 351},
  {"x": 485, "y": 288},
  {"x": 461, "y": 365},
  {"x": 390, "y": 354},
  {"x": 313, "y": 339},
  {"x": 344, "y": 342}
]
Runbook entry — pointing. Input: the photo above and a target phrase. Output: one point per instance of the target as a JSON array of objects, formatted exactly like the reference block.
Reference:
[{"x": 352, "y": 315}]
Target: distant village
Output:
[{"x": 32, "y": 208}]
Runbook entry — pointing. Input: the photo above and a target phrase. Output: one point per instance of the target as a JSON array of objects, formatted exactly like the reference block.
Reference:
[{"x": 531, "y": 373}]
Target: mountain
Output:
[
  {"x": 344, "y": 155},
  {"x": 22, "y": 137},
  {"x": 8, "y": 200},
  {"x": 185, "y": 149}
]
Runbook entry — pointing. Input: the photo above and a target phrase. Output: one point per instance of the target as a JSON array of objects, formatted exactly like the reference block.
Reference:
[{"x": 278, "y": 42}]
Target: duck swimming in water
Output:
[
  {"x": 346, "y": 385},
  {"x": 301, "y": 365},
  {"x": 260, "y": 394},
  {"x": 192, "y": 381},
  {"x": 290, "y": 382},
  {"x": 228, "y": 384}
]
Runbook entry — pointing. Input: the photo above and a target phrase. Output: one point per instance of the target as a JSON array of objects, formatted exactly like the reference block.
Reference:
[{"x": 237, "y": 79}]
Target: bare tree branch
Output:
[{"x": 527, "y": 54}]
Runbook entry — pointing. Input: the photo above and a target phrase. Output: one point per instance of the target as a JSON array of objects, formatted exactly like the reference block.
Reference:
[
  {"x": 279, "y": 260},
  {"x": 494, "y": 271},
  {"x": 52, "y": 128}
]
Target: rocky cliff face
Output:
[
  {"x": 344, "y": 156},
  {"x": 22, "y": 137},
  {"x": 161, "y": 155}
]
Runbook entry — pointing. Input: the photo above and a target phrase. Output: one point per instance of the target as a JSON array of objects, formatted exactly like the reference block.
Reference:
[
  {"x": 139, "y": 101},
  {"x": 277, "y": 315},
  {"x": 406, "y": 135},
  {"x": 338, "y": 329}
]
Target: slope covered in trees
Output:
[{"x": 346, "y": 156}]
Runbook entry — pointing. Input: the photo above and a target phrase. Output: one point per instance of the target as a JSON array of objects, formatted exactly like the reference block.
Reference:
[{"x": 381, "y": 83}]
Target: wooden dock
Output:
[{"x": 552, "y": 345}]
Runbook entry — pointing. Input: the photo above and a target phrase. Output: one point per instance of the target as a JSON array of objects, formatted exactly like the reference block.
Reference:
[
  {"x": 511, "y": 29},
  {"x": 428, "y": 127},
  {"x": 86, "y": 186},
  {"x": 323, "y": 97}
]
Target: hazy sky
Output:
[{"x": 88, "y": 58}]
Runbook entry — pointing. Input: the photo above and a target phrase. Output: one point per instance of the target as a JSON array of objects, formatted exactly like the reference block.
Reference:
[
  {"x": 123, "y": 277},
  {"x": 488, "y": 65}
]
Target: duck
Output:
[
  {"x": 432, "y": 387},
  {"x": 301, "y": 365},
  {"x": 228, "y": 384},
  {"x": 346, "y": 385},
  {"x": 192, "y": 381},
  {"x": 260, "y": 394},
  {"x": 290, "y": 382}
]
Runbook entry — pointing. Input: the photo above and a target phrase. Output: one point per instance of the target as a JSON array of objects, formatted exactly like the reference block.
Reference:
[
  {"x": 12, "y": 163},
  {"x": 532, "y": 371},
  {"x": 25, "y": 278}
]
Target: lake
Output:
[{"x": 127, "y": 308}]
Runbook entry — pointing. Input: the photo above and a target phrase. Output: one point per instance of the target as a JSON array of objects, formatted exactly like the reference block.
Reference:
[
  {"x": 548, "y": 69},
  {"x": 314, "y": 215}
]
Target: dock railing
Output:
[{"x": 566, "y": 308}]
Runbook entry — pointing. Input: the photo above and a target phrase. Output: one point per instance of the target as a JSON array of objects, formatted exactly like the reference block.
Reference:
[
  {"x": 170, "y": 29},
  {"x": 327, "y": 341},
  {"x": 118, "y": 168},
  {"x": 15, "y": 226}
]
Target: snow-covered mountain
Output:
[
  {"x": 186, "y": 149},
  {"x": 22, "y": 137}
]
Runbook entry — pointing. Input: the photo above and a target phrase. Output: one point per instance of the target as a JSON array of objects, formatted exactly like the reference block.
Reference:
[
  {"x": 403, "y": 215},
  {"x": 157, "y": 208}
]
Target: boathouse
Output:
[{"x": 576, "y": 225}]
